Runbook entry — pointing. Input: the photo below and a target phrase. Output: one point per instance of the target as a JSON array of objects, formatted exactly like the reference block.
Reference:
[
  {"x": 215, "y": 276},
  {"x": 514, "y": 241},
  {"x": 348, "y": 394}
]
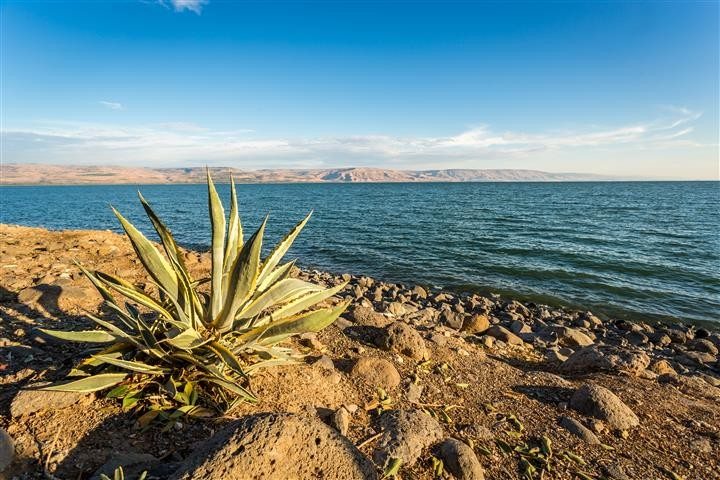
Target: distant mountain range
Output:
[{"x": 40, "y": 174}]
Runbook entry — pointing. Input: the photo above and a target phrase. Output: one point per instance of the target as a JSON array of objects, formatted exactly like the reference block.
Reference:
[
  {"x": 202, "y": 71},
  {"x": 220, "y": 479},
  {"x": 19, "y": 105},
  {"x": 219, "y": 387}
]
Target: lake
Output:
[{"x": 635, "y": 250}]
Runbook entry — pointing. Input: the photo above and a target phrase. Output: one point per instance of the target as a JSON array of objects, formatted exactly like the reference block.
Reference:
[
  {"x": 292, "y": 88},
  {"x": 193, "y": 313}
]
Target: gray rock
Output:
[
  {"x": 703, "y": 345},
  {"x": 611, "y": 359},
  {"x": 414, "y": 392},
  {"x": 406, "y": 433},
  {"x": 452, "y": 319},
  {"x": 439, "y": 339},
  {"x": 565, "y": 336},
  {"x": 30, "y": 400},
  {"x": 601, "y": 403},
  {"x": 376, "y": 372},
  {"x": 501, "y": 333},
  {"x": 693, "y": 358},
  {"x": 367, "y": 316},
  {"x": 276, "y": 446},
  {"x": 341, "y": 420},
  {"x": 133, "y": 465},
  {"x": 325, "y": 363},
  {"x": 637, "y": 338},
  {"x": 694, "y": 386},
  {"x": 396, "y": 308},
  {"x": 424, "y": 315},
  {"x": 479, "y": 432},
  {"x": 518, "y": 327},
  {"x": 475, "y": 324},
  {"x": 579, "y": 430},
  {"x": 310, "y": 340},
  {"x": 662, "y": 367},
  {"x": 461, "y": 460},
  {"x": 358, "y": 292},
  {"x": 702, "y": 445},
  {"x": 7, "y": 449},
  {"x": 676, "y": 336},
  {"x": 402, "y": 338},
  {"x": 615, "y": 472},
  {"x": 518, "y": 308},
  {"x": 661, "y": 339},
  {"x": 419, "y": 292}
]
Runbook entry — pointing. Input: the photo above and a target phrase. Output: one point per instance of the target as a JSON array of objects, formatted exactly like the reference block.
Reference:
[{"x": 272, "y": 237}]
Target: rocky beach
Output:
[{"x": 410, "y": 382}]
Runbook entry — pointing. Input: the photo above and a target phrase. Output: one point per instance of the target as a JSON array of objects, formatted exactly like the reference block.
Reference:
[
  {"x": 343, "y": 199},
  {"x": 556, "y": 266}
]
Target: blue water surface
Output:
[{"x": 639, "y": 250}]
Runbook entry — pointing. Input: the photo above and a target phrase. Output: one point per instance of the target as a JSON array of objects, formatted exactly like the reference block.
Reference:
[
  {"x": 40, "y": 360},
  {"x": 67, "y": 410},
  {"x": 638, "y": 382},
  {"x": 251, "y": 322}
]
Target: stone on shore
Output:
[
  {"x": 501, "y": 333},
  {"x": 396, "y": 308},
  {"x": 475, "y": 324},
  {"x": 402, "y": 338},
  {"x": 276, "y": 446},
  {"x": 367, "y": 316},
  {"x": 579, "y": 430},
  {"x": 599, "y": 402},
  {"x": 341, "y": 420},
  {"x": 461, "y": 460},
  {"x": 565, "y": 336},
  {"x": 30, "y": 400},
  {"x": 406, "y": 434},
  {"x": 377, "y": 372},
  {"x": 611, "y": 359}
]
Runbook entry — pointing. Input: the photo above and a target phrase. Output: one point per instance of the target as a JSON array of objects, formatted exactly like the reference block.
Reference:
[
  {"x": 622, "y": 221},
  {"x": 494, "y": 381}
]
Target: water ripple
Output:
[{"x": 632, "y": 250}]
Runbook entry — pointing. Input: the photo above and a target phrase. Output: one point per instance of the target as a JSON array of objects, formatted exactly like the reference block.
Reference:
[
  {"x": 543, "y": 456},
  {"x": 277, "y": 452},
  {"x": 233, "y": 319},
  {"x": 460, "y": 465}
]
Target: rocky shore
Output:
[{"x": 410, "y": 382}]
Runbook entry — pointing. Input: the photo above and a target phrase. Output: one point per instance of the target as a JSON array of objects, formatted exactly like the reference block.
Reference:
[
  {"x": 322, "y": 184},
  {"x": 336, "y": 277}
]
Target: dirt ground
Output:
[{"x": 474, "y": 389}]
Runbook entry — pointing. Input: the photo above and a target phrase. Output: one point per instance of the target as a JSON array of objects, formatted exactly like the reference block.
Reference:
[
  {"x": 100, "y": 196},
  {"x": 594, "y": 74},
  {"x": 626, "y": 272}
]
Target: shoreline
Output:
[
  {"x": 606, "y": 314},
  {"x": 465, "y": 365},
  {"x": 373, "y": 182}
]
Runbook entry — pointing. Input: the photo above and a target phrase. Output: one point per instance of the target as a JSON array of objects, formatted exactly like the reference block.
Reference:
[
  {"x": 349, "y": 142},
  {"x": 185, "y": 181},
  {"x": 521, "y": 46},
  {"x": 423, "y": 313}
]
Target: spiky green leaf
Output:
[
  {"x": 281, "y": 292},
  {"x": 243, "y": 279},
  {"x": 280, "y": 250},
  {"x": 89, "y": 384},
  {"x": 299, "y": 304},
  {"x": 132, "y": 365},
  {"x": 89, "y": 336},
  {"x": 217, "y": 222},
  {"x": 155, "y": 264}
]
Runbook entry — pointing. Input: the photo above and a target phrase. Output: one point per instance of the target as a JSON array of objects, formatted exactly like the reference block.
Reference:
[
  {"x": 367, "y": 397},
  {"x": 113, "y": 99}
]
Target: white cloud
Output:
[
  {"x": 180, "y": 5},
  {"x": 180, "y": 144},
  {"x": 111, "y": 105}
]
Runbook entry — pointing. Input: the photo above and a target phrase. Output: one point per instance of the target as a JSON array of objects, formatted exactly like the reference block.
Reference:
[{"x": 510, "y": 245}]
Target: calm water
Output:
[{"x": 631, "y": 250}]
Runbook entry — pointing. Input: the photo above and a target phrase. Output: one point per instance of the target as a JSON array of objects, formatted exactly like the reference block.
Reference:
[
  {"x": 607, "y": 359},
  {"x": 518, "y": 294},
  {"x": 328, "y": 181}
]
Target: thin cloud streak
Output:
[
  {"x": 111, "y": 105},
  {"x": 179, "y": 144}
]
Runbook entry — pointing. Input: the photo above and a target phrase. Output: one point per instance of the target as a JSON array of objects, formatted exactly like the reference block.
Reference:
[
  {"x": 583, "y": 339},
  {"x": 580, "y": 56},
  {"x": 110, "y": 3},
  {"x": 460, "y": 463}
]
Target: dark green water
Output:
[{"x": 639, "y": 250}]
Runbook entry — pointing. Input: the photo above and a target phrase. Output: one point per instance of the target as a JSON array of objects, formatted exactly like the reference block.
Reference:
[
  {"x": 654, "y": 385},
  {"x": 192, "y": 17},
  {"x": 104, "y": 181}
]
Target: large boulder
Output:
[
  {"x": 406, "y": 433},
  {"x": 601, "y": 403},
  {"x": 475, "y": 324},
  {"x": 402, "y": 338},
  {"x": 502, "y": 333},
  {"x": 276, "y": 446},
  {"x": 565, "y": 336},
  {"x": 31, "y": 400},
  {"x": 365, "y": 315},
  {"x": 461, "y": 460},
  {"x": 377, "y": 372},
  {"x": 7, "y": 449},
  {"x": 610, "y": 359}
]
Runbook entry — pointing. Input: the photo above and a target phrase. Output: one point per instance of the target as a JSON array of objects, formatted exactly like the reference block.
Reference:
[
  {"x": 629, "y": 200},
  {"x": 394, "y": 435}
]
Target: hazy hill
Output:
[{"x": 24, "y": 174}]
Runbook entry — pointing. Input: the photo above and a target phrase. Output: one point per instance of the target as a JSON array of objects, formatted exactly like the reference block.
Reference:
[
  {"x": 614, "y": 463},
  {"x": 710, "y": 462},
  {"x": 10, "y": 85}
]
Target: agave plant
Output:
[{"x": 186, "y": 340}]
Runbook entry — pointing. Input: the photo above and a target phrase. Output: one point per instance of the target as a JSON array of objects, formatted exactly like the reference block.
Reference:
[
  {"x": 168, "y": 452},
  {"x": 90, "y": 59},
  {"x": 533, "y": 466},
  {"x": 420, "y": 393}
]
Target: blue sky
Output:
[{"x": 618, "y": 88}]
